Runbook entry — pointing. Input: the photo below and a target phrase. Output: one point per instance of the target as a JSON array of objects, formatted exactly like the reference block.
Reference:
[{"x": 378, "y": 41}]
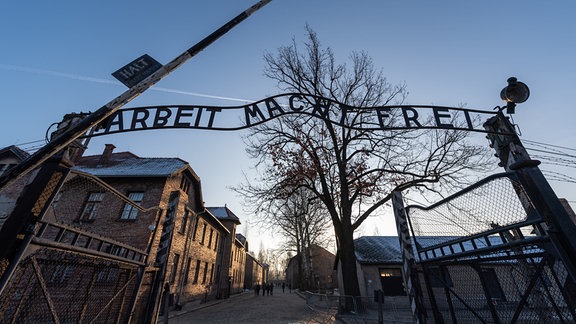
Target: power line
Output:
[{"x": 548, "y": 145}]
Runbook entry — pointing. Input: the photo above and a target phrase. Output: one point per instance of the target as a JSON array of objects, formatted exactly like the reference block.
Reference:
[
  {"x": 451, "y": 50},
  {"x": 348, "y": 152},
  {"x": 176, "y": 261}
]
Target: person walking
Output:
[{"x": 283, "y": 286}]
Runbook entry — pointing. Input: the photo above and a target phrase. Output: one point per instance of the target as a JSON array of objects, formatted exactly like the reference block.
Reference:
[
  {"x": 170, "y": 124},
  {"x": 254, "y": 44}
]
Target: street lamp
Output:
[{"x": 515, "y": 92}]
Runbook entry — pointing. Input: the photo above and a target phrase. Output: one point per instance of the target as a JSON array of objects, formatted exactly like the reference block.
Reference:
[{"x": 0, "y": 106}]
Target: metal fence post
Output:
[
  {"x": 514, "y": 158},
  {"x": 409, "y": 271}
]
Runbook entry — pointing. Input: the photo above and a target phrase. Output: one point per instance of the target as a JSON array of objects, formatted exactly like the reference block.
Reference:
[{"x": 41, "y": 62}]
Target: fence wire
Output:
[
  {"x": 484, "y": 256},
  {"x": 350, "y": 309},
  {"x": 81, "y": 265}
]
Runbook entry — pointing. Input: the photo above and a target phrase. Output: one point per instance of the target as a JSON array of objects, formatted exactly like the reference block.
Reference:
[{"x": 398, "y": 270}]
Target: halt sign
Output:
[{"x": 137, "y": 70}]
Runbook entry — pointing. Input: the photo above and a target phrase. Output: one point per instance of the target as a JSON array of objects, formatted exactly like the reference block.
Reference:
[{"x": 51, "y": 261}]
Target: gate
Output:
[
  {"x": 488, "y": 255},
  {"x": 71, "y": 271}
]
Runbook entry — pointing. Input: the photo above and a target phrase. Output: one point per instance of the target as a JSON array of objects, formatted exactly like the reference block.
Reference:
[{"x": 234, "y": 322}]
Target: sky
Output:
[{"x": 56, "y": 57}]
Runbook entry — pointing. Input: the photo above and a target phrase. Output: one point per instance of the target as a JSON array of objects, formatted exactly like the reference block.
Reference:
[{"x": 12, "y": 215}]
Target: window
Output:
[
  {"x": 492, "y": 284},
  {"x": 212, "y": 273},
  {"x": 107, "y": 275},
  {"x": 187, "y": 272},
  {"x": 130, "y": 211},
  {"x": 205, "y": 272},
  {"x": 195, "y": 229},
  {"x": 203, "y": 233},
  {"x": 61, "y": 273},
  {"x": 185, "y": 184},
  {"x": 216, "y": 242},
  {"x": 196, "y": 272},
  {"x": 174, "y": 268},
  {"x": 184, "y": 222},
  {"x": 91, "y": 207},
  {"x": 210, "y": 238}
]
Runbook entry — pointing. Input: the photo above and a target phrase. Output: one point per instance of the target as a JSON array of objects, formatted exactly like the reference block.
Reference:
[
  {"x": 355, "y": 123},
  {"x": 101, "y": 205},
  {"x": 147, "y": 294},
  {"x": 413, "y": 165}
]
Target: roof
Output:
[
  {"x": 19, "y": 153},
  {"x": 241, "y": 238},
  {"x": 126, "y": 164},
  {"x": 223, "y": 213},
  {"x": 214, "y": 220},
  {"x": 378, "y": 249},
  {"x": 386, "y": 249}
]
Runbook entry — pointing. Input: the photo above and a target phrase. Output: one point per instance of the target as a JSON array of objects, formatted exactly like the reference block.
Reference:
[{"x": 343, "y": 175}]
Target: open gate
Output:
[
  {"x": 499, "y": 251},
  {"x": 485, "y": 255},
  {"x": 70, "y": 272}
]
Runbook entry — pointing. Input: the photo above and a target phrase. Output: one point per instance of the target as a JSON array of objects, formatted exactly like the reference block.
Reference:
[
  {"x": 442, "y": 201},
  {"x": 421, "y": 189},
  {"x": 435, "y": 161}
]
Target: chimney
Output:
[{"x": 105, "y": 157}]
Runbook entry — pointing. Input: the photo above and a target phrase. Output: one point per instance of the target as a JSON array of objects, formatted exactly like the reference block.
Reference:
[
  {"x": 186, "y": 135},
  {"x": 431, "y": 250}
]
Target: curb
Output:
[{"x": 191, "y": 308}]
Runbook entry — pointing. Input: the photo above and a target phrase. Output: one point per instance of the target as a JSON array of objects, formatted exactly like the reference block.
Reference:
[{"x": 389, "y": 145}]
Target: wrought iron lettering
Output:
[{"x": 251, "y": 114}]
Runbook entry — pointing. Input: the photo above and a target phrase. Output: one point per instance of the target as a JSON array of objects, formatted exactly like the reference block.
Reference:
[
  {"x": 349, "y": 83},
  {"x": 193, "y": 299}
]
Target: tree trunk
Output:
[{"x": 348, "y": 263}]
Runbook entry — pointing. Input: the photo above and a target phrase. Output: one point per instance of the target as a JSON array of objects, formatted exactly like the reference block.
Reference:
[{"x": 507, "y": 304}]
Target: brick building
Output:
[
  {"x": 233, "y": 258},
  {"x": 255, "y": 272},
  {"x": 10, "y": 156},
  {"x": 322, "y": 276},
  {"x": 206, "y": 258},
  {"x": 153, "y": 205}
]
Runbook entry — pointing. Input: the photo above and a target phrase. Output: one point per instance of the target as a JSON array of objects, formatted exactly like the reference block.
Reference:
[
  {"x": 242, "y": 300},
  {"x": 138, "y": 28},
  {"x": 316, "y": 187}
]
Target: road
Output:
[{"x": 248, "y": 308}]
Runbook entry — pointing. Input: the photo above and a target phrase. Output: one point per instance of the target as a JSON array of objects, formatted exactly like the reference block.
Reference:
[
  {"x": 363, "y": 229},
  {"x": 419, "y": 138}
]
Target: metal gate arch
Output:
[
  {"x": 543, "y": 255},
  {"x": 535, "y": 244}
]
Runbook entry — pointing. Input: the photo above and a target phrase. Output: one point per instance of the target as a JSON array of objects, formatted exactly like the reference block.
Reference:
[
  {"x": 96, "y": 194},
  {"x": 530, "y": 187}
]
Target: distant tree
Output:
[
  {"x": 351, "y": 171},
  {"x": 303, "y": 221},
  {"x": 298, "y": 218},
  {"x": 275, "y": 260}
]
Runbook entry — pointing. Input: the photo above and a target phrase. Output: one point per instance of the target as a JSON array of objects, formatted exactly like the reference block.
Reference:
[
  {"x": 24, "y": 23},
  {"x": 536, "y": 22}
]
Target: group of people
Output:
[{"x": 267, "y": 289}]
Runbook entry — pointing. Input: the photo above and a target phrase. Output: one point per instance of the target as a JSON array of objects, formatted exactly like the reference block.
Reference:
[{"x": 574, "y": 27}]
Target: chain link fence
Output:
[
  {"x": 484, "y": 255},
  {"x": 388, "y": 309},
  {"x": 81, "y": 265}
]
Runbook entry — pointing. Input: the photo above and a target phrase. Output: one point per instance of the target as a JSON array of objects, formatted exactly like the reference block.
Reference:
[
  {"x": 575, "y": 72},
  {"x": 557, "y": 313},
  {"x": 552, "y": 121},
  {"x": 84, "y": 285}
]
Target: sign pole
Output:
[{"x": 79, "y": 129}]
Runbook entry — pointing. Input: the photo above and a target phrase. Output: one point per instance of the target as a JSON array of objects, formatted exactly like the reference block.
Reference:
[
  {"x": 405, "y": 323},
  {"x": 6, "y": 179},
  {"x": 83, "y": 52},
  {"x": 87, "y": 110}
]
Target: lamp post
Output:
[{"x": 514, "y": 158}]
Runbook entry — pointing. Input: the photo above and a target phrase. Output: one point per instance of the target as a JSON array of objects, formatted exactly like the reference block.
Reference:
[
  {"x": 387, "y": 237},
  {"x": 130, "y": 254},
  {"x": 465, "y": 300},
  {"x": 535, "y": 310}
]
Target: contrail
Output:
[
  {"x": 199, "y": 94},
  {"x": 105, "y": 81},
  {"x": 60, "y": 74}
]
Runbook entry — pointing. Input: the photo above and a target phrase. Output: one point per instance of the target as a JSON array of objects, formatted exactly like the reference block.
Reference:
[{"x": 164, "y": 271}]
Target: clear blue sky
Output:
[{"x": 57, "y": 57}]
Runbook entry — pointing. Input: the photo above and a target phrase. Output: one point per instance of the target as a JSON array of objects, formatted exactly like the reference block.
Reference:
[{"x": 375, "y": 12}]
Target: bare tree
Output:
[
  {"x": 303, "y": 222},
  {"x": 350, "y": 170},
  {"x": 275, "y": 259},
  {"x": 297, "y": 217}
]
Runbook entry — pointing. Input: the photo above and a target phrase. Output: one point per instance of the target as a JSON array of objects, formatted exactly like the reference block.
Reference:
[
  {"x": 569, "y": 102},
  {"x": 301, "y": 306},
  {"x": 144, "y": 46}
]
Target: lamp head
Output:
[{"x": 515, "y": 92}]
